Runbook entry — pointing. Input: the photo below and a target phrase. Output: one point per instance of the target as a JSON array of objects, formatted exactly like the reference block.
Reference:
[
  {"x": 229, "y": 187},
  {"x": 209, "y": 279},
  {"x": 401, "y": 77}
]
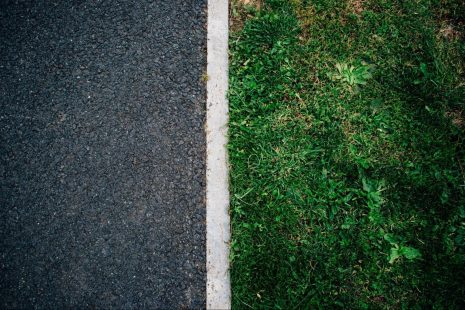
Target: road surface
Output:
[{"x": 102, "y": 154}]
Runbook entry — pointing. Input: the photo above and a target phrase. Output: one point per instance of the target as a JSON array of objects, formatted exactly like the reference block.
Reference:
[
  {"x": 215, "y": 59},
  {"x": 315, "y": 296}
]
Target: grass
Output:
[{"x": 347, "y": 153}]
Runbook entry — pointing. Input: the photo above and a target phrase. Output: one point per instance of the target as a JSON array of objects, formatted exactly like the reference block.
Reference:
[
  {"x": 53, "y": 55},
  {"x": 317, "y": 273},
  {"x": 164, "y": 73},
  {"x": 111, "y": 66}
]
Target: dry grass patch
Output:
[
  {"x": 255, "y": 3},
  {"x": 357, "y": 6},
  {"x": 306, "y": 16},
  {"x": 240, "y": 11},
  {"x": 456, "y": 117},
  {"x": 449, "y": 32}
]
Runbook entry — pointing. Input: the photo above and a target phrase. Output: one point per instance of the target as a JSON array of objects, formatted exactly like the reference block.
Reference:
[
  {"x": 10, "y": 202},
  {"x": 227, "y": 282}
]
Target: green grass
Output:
[{"x": 347, "y": 153}]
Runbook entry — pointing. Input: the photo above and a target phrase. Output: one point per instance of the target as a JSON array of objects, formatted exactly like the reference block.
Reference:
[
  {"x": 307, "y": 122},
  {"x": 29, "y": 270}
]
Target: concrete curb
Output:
[{"x": 217, "y": 220}]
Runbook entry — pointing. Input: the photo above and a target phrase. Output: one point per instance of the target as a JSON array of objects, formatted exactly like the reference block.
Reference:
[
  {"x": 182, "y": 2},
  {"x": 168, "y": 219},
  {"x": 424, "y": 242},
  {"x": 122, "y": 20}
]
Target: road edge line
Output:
[{"x": 217, "y": 174}]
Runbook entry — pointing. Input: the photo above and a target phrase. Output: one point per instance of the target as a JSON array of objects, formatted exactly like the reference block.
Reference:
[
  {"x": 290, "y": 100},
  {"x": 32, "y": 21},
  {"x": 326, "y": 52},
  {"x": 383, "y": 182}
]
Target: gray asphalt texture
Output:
[{"x": 102, "y": 188}]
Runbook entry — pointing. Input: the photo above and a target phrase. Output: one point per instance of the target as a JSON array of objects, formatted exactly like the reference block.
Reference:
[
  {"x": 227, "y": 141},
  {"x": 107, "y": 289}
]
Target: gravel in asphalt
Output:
[{"x": 102, "y": 154}]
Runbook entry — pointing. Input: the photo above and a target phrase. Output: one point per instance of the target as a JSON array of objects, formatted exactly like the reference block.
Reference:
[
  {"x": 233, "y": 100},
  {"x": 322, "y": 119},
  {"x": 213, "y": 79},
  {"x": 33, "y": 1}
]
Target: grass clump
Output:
[{"x": 347, "y": 153}]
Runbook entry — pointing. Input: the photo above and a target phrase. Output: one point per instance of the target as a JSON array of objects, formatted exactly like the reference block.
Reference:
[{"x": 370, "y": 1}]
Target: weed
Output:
[{"x": 354, "y": 76}]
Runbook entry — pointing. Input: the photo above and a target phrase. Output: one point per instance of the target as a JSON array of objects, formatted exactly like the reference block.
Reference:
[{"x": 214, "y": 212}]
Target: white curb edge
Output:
[{"x": 217, "y": 199}]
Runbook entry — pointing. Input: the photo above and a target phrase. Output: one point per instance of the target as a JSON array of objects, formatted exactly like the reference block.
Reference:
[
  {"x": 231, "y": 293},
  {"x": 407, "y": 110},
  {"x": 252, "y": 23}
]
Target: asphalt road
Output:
[{"x": 102, "y": 154}]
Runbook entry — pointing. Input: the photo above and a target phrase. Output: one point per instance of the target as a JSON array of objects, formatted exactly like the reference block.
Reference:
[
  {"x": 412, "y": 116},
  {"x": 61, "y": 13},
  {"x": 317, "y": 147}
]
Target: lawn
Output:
[{"x": 347, "y": 153}]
